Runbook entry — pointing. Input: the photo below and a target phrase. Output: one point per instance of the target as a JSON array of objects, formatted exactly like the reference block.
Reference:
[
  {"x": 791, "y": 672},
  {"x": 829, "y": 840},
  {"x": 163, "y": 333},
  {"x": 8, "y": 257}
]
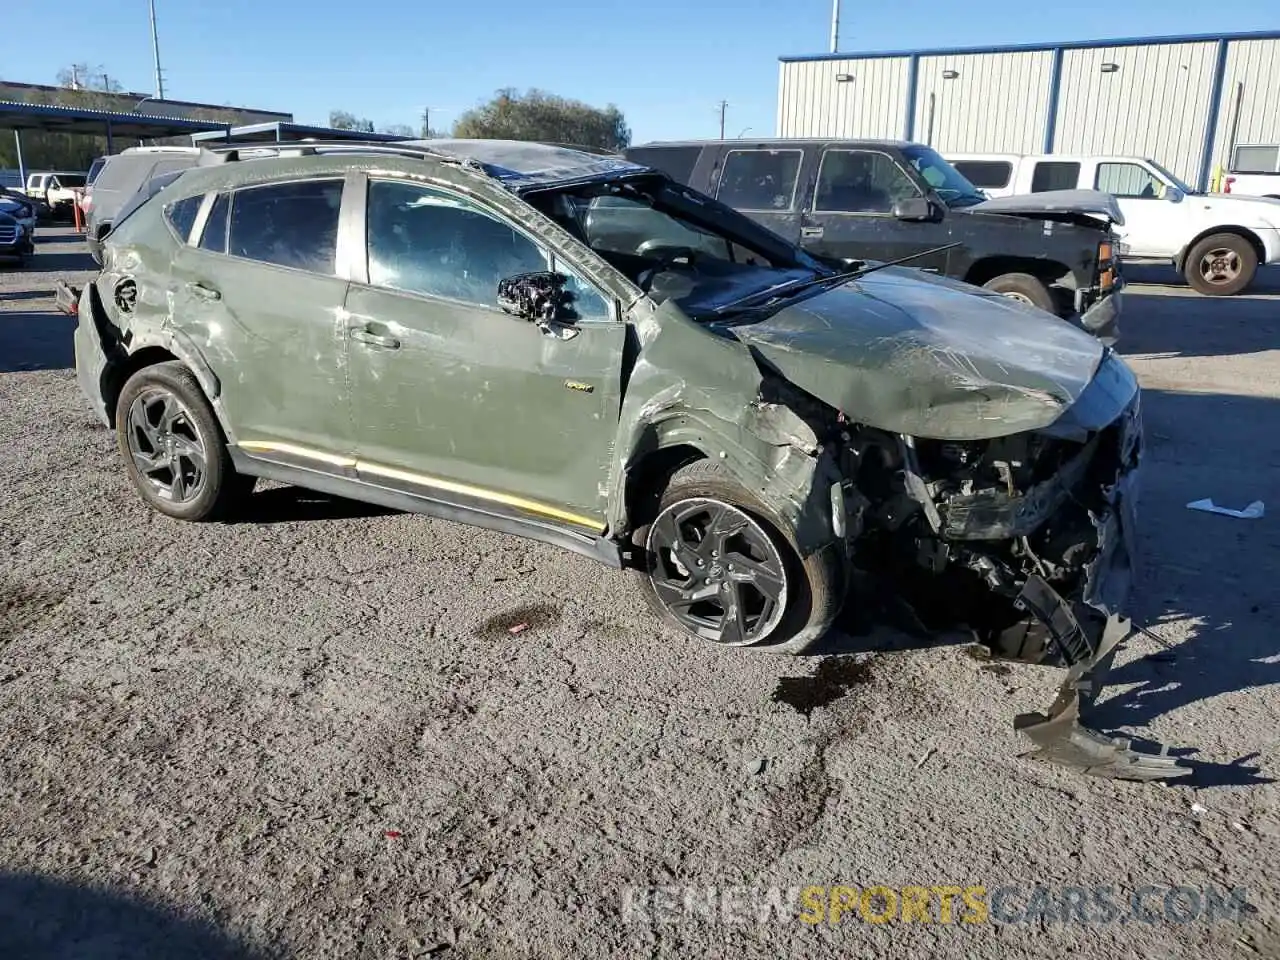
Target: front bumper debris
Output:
[
  {"x": 66, "y": 298},
  {"x": 1060, "y": 736},
  {"x": 1102, "y": 319}
]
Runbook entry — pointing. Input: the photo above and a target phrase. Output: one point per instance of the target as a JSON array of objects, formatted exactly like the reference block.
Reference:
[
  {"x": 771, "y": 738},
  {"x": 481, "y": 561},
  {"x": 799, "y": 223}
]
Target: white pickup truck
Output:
[
  {"x": 1254, "y": 171},
  {"x": 59, "y": 189},
  {"x": 1216, "y": 241}
]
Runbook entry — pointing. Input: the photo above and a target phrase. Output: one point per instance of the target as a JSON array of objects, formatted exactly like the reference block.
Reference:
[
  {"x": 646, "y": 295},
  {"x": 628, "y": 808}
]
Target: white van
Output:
[{"x": 1216, "y": 241}]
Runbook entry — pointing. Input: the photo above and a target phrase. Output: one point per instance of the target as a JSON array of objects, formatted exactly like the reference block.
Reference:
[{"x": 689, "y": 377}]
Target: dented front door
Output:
[{"x": 454, "y": 398}]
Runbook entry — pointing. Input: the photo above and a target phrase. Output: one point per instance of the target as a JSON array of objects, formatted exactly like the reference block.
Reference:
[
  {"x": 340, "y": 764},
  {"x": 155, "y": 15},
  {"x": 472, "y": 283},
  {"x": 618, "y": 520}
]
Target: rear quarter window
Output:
[
  {"x": 676, "y": 162},
  {"x": 181, "y": 215},
  {"x": 986, "y": 174}
]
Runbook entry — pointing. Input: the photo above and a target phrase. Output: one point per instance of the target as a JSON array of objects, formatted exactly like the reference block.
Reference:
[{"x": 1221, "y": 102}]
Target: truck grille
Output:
[{"x": 8, "y": 233}]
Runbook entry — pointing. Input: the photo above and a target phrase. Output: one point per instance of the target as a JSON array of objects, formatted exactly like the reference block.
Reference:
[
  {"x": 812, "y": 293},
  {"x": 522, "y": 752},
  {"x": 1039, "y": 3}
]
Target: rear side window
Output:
[
  {"x": 987, "y": 174},
  {"x": 214, "y": 237},
  {"x": 760, "y": 179},
  {"x": 1256, "y": 159},
  {"x": 181, "y": 215},
  {"x": 288, "y": 224},
  {"x": 676, "y": 162},
  {"x": 1055, "y": 175}
]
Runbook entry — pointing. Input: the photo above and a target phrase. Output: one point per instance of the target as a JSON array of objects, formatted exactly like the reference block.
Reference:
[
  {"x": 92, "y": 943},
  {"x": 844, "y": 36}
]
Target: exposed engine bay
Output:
[{"x": 1026, "y": 539}]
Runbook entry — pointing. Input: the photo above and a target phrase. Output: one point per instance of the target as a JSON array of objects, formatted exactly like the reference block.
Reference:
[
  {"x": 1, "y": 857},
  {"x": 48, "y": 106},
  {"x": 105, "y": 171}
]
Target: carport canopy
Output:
[{"x": 50, "y": 118}]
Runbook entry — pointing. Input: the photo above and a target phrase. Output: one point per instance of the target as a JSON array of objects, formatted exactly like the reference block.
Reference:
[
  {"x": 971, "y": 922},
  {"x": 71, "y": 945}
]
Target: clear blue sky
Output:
[{"x": 665, "y": 63}]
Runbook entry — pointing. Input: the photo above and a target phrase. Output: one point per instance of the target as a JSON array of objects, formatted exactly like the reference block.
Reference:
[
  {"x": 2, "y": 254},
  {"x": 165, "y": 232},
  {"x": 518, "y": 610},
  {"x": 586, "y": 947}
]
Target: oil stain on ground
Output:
[
  {"x": 22, "y": 605},
  {"x": 832, "y": 680},
  {"x": 528, "y": 618}
]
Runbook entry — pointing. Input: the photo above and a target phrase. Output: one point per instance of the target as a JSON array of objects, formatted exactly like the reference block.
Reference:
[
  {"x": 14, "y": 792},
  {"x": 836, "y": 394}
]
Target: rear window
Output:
[
  {"x": 987, "y": 174},
  {"x": 760, "y": 179},
  {"x": 676, "y": 162},
  {"x": 1256, "y": 159},
  {"x": 1055, "y": 175}
]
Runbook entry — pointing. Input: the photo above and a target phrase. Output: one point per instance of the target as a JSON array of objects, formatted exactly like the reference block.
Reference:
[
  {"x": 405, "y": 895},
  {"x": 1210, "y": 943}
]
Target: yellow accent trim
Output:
[
  {"x": 297, "y": 451},
  {"x": 480, "y": 493}
]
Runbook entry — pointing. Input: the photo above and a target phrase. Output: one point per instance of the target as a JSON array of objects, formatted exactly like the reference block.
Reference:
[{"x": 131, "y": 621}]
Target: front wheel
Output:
[
  {"x": 716, "y": 567},
  {"x": 1024, "y": 288},
  {"x": 1221, "y": 265}
]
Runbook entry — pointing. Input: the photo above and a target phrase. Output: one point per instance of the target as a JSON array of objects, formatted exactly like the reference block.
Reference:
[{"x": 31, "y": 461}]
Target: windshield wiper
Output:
[{"x": 834, "y": 279}]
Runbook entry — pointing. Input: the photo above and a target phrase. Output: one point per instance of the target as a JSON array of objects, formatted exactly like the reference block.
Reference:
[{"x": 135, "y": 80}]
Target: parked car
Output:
[
  {"x": 1215, "y": 241},
  {"x": 857, "y": 199},
  {"x": 118, "y": 178},
  {"x": 1254, "y": 171},
  {"x": 21, "y": 207},
  {"x": 15, "y": 243},
  {"x": 58, "y": 189},
  {"x": 578, "y": 350}
]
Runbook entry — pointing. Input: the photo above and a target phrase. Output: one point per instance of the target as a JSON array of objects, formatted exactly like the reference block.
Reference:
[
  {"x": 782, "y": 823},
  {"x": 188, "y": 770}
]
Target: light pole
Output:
[
  {"x": 155, "y": 47},
  {"x": 743, "y": 133}
]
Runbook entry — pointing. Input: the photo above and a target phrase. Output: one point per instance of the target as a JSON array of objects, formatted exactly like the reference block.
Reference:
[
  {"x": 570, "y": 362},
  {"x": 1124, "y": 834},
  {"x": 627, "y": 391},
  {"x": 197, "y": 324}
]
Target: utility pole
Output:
[
  {"x": 835, "y": 25},
  {"x": 724, "y": 105},
  {"x": 155, "y": 46}
]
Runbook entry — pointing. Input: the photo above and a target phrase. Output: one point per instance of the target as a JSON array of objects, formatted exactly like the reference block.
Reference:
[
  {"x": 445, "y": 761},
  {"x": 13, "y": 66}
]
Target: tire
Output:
[
  {"x": 162, "y": 418},
  {"x": 813, "y": 587},
  {"x": 1024, "y": 288},
  {"x": 1228, "y": 256}
]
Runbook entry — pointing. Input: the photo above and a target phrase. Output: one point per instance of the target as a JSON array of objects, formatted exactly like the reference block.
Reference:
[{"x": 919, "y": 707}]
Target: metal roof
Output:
[
  {"x": 1032, "y": 47},
  {"x": 281, "y": 131},
  {"x": 52, "y": 118}
]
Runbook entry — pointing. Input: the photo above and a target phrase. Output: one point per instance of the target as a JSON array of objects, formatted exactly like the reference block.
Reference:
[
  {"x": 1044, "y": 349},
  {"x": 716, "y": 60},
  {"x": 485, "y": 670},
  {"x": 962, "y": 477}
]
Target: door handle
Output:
[
  {"x": 811, "y": 233},
  {"x": 203, "y": 292},
  {"x": 365, "y": 335}
]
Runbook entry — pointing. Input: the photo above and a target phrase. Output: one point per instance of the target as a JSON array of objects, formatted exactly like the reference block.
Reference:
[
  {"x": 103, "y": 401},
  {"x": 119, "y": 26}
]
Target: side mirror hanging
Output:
[{"x": 536, "y": 297}]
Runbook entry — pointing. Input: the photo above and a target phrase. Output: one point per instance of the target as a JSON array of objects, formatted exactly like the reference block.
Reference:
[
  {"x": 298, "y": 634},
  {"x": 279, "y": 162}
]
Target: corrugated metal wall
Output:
[
  {"x": 812, "y": 103},
  {"x": 995, "y": 104},
  {"x": 1155, "y": 105},
  {"x": 1251, "y": 93},
  {"x": 1157, "y": 102}
]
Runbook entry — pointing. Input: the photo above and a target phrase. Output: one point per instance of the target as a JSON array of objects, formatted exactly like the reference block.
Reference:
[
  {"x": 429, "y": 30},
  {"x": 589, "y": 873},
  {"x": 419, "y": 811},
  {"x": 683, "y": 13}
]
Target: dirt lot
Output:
[{"x": 311, "y": 734}]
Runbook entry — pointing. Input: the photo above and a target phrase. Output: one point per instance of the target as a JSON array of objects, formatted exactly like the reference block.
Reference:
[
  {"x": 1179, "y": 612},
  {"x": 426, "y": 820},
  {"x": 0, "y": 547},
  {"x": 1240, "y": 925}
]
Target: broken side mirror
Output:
[
  {"x": 924, "y": 209},
  {"x": 541, "y": 299}
]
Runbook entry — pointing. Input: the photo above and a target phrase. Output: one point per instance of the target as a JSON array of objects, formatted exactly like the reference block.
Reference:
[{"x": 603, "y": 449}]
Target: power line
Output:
[{"x": 724, "y": 106}]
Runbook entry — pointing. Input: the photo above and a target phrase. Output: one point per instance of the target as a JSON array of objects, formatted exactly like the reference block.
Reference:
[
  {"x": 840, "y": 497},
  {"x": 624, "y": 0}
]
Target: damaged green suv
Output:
[{"x": 577, "y": 349}]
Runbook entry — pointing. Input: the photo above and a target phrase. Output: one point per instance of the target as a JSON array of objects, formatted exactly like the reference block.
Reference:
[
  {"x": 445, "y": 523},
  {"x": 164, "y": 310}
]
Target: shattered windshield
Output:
[
  {"x": 947, "y": 182},
  {"x": 652, "y": 231}
]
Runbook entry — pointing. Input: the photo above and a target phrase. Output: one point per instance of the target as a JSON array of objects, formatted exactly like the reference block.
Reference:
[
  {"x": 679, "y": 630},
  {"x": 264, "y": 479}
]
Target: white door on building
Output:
[{"x": 1154, "y": 226}]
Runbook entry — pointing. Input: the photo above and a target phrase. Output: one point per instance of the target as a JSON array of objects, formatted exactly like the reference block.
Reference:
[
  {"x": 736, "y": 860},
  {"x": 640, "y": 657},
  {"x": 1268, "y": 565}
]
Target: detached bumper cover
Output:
[
  {"x": 1102, "y": 319},
  {"x": 1084, "y": 636}
]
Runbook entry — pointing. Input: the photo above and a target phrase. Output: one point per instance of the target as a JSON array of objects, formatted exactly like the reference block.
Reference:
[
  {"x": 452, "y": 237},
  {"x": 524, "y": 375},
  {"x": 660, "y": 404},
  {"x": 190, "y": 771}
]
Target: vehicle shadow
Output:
[
  {"x": 1207, "y": 575},
  {"x": 15, "y": 295},
  {"x": 36, "y": 340},
  {"x": 295, "y": 504},
  {"x": 1266, "y": 281},
  {"x": 43, "y": 918},
  {"x": 1190, "y": 325}
]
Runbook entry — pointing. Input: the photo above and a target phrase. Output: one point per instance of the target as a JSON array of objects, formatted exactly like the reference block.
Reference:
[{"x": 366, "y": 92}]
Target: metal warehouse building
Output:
[{"x": 1186, "y": 102}]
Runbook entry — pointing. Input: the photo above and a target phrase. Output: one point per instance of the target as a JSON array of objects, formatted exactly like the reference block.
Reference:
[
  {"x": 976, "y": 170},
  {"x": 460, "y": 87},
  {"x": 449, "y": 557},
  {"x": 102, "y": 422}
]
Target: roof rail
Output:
[{"x": 232, "y": 152}]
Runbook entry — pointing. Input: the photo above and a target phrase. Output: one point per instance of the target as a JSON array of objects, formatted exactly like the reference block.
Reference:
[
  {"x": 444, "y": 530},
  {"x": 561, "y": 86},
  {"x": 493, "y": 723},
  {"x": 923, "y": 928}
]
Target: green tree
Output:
[
  {"x": 80, "y": 85},
  {"x": 538, "y": 115},
  {"x": 342, "y": 120},
  {"x": 399, "y": 130}
]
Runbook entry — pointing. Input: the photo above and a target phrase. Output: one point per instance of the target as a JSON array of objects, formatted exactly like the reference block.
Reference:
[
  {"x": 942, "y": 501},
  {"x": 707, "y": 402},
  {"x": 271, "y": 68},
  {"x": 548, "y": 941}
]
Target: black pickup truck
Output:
[{"x": 883, "y": 200}]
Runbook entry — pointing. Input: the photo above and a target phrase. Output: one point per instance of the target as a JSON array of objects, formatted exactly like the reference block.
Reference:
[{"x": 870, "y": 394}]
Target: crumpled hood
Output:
[
  {"x": 928, "y": 358},
  {"x": 1093, "y": 202}
]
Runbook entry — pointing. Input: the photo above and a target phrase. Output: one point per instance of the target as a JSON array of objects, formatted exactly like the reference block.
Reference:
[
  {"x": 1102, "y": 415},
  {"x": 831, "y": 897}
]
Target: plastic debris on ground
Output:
[{"x": 1252, "y": 512}]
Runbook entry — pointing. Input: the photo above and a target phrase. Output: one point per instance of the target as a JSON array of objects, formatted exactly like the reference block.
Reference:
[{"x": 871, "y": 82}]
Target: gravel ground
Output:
[{"x": 310, "y": 733}]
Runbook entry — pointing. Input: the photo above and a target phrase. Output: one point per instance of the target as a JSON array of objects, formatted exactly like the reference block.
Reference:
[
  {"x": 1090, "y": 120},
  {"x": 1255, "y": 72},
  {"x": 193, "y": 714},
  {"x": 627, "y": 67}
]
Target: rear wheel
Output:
[
  {"x": 1221, "y": 265},
  {"x": 717, "y": 567},
  {"x": 1024, "y": 288},
  {"x": 173, "y": 447}
]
